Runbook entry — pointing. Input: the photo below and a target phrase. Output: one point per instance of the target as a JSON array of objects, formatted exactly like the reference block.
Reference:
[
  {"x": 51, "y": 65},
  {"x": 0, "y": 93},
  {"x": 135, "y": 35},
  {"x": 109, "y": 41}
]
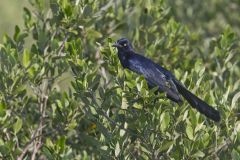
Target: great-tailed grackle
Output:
[{"x": 156, "y": 75}]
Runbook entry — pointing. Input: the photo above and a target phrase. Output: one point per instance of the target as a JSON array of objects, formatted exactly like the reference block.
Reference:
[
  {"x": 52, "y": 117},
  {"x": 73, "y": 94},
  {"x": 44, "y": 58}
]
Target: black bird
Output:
[{"x": 156, "y": 75}]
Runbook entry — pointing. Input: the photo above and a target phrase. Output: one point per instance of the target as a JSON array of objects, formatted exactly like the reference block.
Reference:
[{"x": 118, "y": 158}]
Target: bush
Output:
[{"x": 67, "y": 96}]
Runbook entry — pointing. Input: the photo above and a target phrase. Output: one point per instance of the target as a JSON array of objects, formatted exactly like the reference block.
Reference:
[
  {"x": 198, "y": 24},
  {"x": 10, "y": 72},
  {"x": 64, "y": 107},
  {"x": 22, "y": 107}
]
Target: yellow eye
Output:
[{"x": 124, "y": 44}]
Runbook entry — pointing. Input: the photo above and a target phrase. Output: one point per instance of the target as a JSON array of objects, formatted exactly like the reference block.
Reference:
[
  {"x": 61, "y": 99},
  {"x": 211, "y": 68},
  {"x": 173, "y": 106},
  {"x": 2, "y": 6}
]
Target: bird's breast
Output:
[{"x": 123, "y": 59}]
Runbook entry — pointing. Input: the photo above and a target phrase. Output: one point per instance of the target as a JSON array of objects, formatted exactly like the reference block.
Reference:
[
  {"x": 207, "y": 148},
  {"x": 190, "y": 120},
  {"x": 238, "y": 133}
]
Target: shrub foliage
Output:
[{"x": 64, "y": 94}]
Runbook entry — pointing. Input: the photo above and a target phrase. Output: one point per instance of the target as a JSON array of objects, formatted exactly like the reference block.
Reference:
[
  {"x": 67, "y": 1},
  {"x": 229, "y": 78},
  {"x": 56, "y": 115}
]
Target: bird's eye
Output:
[{"x": 124, "y": 44}]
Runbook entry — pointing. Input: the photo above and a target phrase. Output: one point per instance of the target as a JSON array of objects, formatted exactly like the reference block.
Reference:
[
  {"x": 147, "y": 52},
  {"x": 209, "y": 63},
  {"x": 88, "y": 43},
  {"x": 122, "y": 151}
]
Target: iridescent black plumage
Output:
[{"x": 156, "y": 75}]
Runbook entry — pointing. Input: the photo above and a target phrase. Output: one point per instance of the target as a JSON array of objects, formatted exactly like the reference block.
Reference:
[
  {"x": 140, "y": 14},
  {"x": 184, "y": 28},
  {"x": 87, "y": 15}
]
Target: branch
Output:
[
  {"x": 43, "y": 105},
  {"x": 28, "y": 145},
  {"x": 63, "y": 44},
  {"x": 37, "y": 135}
]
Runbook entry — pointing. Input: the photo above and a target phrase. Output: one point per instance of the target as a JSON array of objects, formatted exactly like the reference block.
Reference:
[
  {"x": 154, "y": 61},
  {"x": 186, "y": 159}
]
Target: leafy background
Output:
[{"x": 64, "y": 94}]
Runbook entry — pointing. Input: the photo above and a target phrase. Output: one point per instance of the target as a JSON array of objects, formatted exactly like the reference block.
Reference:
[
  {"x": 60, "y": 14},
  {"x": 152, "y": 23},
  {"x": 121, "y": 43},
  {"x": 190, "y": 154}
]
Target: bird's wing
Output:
[
  {"x": 156, "y": 77},
  {"x": 165, "y": 78}
]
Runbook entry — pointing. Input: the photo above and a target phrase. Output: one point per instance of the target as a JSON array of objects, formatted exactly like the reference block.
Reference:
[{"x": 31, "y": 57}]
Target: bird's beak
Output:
[{"x": 116, "y": 45}]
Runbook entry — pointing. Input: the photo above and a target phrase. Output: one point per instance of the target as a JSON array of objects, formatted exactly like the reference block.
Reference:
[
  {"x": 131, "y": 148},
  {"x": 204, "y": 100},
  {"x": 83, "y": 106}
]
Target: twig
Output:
[
  {"x": 223, "y": 145},
  {"x": 43, "y": 105},
  {"x": 26, "y": 148},
  {"x": 36, "y": 148},
  {"x": 36, "y": 139},
  {"x": 62, "y": 45}
]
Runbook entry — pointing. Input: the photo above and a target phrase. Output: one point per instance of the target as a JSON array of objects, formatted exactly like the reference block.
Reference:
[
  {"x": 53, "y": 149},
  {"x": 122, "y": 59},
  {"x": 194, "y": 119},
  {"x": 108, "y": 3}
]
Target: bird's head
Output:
[{"x": 123, "y": 44}]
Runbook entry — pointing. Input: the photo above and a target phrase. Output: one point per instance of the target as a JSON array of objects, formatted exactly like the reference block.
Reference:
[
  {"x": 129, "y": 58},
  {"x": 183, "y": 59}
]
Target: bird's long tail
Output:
[{"x": 197, "y": 103}]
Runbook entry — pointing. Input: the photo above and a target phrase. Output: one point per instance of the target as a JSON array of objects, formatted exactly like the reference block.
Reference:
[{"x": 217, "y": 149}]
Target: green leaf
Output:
[
  {"x": 198, "y": 154},
  {"x": 94, "y": 33},
  {"x": 27, "y": 13},
  {"x": 61, "y": 143},
  {"x": 235, "y": 155},
  {"x": 124, "y": 104},
  {"x": 95, "y": 82},
  {"x": 145, "y": 150},
  {"x": 122, "y": 132},
  {"x": 117, "y": 149},
  {"x": 166, "y": 145},
  {"x": 26, "y": 58},
  {"x": 16, "y": 34},
  {"x": 59, "y": 104},
  {"x": 47, "y": 152},
  {"x": 189, "y": 132},
  {"x": 165, "y": 120},
  {"x": 137, "y": 106},
  {"x": 17, "y": 125},
  {"x": 2, "y": 109},
  {"x": 234, "y": 100}
]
